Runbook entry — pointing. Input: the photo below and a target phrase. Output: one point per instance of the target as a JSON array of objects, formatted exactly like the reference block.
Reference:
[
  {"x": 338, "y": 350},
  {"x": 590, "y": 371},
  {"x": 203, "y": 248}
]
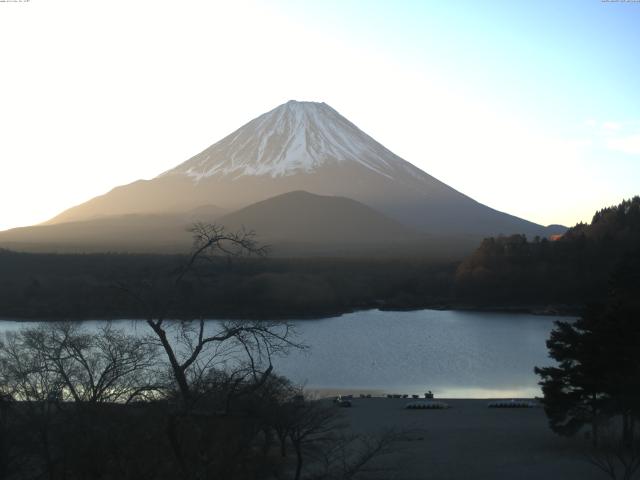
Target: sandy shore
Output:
[{"x": 471, "y": 441}]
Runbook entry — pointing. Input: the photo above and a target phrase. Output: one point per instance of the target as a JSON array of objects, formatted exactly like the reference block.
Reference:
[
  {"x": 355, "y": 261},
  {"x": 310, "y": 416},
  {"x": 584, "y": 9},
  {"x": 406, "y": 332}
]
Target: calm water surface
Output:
[{"x": 452, "y": 353}]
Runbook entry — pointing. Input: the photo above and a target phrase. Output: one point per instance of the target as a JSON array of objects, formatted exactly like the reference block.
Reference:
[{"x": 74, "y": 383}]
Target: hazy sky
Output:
[{"x": 531, "y": 107}]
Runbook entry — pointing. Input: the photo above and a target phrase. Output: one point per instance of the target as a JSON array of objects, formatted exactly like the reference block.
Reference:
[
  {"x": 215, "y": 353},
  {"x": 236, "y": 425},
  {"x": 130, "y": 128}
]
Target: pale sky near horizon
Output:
[{"x": 532, "y": 108}]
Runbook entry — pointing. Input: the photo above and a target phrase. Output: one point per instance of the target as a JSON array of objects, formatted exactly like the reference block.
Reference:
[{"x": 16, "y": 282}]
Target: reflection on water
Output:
[{"x": 452, "y": 353}]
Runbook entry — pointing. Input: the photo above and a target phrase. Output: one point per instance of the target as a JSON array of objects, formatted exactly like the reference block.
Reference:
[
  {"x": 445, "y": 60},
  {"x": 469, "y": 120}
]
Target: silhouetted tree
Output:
[
  {"x": 617, "y": 460},
  {"x": 596, "y": 381},
  {"x": 575, "y": 390},
  {"x": 574, "y": 269},
  {"x": 205, "y": 360},
  {"x": 190, "y": 348},
  {"x": 107, "y": 365},
  {"x": 58, "y": 374}
]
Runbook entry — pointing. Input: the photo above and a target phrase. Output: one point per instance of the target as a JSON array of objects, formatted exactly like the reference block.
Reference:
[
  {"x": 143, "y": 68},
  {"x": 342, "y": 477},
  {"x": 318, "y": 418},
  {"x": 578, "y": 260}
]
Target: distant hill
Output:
[
  {"x": 503, "y": 272},
  {"x": 135, "y": 233},
  {"x": 304, "y": 218},
  {"x": 295, "y": 223}
]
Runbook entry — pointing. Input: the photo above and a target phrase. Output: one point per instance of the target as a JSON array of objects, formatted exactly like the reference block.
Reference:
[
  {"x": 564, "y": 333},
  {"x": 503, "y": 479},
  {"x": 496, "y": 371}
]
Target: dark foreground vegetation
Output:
[
  {"x": 79, "y": 404},
  {"x": 178, "y": 400},
  {"x": 594, "y": 388},
  {"x": 504, "y": 272},
  {"x": 574, "y": 269},
  {"x": 181, "y": 400}
]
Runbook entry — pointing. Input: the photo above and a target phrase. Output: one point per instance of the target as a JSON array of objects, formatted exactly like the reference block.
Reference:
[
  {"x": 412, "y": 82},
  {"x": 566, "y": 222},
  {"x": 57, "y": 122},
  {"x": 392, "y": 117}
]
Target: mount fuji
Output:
[{"x": 298, "y": 146}]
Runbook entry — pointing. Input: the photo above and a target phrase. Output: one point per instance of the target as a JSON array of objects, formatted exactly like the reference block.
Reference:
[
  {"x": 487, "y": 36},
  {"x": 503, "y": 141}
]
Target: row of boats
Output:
[
  {"x": 429, "y": 404},
  {"x": 494, "y": 404}
]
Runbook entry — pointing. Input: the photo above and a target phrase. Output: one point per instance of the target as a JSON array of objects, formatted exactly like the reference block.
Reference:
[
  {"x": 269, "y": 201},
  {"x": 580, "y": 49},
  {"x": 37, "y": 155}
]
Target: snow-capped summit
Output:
[{"x": 296, "y": 137}]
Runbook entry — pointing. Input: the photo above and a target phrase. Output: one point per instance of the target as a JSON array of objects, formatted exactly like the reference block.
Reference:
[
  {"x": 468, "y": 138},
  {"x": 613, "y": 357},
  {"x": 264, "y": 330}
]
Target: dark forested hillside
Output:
[
  {"x": 573, "y": 269},
  {"x": 88, "y": 286},
  {"x": 504, "y": 272}
]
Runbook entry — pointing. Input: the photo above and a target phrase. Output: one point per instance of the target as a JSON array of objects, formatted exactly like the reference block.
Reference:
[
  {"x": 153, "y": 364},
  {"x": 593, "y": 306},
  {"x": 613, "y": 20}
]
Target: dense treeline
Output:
[
  {"x": 86, "y": 286},
  {"x": 574, "y": 269},
  {"x": 503, "y": 272},
  {"x": 595, "y": 378},
  {"x": 592, "y": 388}
]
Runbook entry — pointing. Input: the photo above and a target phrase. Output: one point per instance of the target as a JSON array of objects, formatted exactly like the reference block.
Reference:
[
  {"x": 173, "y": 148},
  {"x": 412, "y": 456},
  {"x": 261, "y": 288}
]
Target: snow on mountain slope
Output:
[
  {"x": 297, "y": 137},
  {"x": 305, "y": 146}
]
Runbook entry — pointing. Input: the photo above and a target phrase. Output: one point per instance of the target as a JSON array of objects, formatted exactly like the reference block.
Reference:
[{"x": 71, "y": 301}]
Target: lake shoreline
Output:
[
  {"x": 451, "y": 353},
  {"x": 538, "y": 310},
  {"x": 324, "y": 393},
  {"x": 495, "y": 443}
]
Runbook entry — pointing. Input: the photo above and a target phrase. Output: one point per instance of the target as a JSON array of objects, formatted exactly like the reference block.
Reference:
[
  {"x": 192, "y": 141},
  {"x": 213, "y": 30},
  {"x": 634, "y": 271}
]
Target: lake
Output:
[{"x": 455, "y": 354}]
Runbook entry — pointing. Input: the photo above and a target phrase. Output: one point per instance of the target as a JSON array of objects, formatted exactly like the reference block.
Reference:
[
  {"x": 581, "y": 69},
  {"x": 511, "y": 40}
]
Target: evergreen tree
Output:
[
  {"x": 575, "y": 390},
  {"x": 598, "y": 372}
]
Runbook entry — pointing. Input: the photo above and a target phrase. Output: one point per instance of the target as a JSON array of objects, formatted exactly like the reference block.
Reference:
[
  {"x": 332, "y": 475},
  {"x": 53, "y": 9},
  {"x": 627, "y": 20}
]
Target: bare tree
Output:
[
  {"x": 244, "y": 348},
  {"x": 312, "y": 423},
  {"x": 317, "y": 433},
  {"x": 352, "y": 456},
  {"x": 25, "y": 377},
  {"x": 25, "y": 373},
  {"x": 617, "y": 454},
  {"x": 232, "y": 356},
  {"x": 43, "y": 366},
  {"x": 191, "y": 349},
  {"x": 108, "y": 365}
]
